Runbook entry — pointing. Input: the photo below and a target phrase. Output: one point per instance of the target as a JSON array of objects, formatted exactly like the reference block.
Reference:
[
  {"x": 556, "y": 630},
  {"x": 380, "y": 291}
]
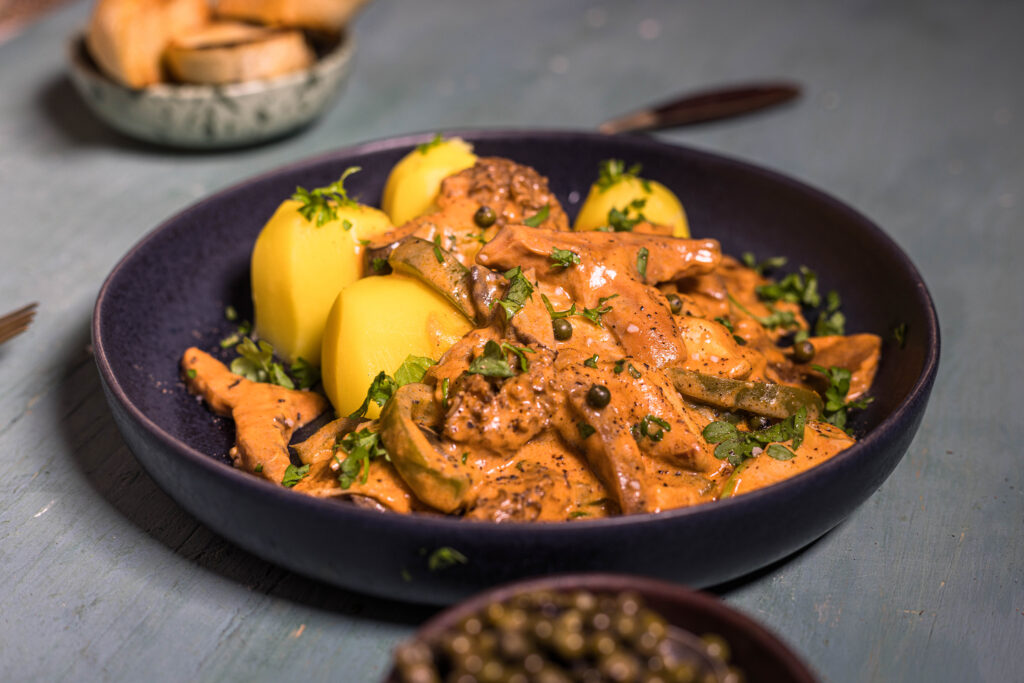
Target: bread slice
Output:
[
  {"x": 318, "y": 15},
  {"x": 230, "y": 52},
  {"x": 127, "y": 38}
]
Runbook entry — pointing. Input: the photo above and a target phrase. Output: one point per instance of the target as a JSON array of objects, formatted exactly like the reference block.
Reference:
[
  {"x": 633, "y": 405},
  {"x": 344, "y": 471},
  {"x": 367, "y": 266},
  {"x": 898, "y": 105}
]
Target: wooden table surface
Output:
[{"x": 913, "y": 113}]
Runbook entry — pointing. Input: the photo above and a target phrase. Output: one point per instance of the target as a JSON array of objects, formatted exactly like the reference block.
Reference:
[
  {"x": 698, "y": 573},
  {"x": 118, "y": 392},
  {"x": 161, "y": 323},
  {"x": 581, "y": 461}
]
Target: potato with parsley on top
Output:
[
  {"x": 621, "y": 199},
  {"x": 413, "y": 184},
  {"x": 306, "y": 253}
]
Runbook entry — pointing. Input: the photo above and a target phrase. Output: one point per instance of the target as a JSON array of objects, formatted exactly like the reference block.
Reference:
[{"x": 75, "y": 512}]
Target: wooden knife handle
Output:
[{"x": 705, "y": 105}]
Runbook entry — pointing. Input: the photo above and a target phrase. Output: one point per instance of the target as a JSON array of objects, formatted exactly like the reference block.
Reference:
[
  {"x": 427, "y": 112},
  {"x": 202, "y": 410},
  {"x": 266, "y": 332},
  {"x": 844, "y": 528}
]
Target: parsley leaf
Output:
[
  {"x": 619, "y": 220},
  {"x": 307, "y": 375},
  {"x": 585, "y": 430},
  {"x": 775, "y": 319},
  {"x": 493, "y": 362},
  {"x": 322, "y": 203},
  {"x": 360, "y": 447},
  {"x": 641, "y": 262},
  {"x": 591, "y": 362},
  {"x": 425, "y": 147},
  {"x": 899, "y": 335},
  {"x": 594, "y": 314},
  {"x": 836, "y": 406},
  {"x": 412, "y": 369},
  {"x": 293, "y": 475},
  {"x": 611, "y": 171},
  {"x": 644, "y": 428},
  {"x": 519, "y": 292},
  {"x": 771, "y": 263},
  {"x": 437, "y": 249},
  {"x": 445, "y": 557},
  {"x": 539, "y": 217},
  {"x": 256, "y": 363},
  {"x": 564, "y": 257}
]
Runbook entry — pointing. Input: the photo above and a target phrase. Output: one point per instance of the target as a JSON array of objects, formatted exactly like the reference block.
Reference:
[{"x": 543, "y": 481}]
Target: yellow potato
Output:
[
  {"x": 414, "y": 182},
  {"x": 660, "y": 205},
  {"x": 374, "y": 325},
  {"x": 298, "y": 268}
]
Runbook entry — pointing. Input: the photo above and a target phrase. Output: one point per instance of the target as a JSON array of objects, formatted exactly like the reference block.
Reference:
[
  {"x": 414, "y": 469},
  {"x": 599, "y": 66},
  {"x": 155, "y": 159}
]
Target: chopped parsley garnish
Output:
[
  {"x": 445, "y": 384},
  {"x": 519, "y": 292},
  {"x": 256, "y": 363},
  {"x": 641, "y": 262},
  {"x": 230, "y": 313},
  {"x": 493, "y": 362},
  {"x": 564, "y": 257},
  {"x": 425, "y": 147},
  {"x": 346, "y": 224},
  {"x": 378, "y": 264},
  {"x": 736, "y": 446},
  {"x": 321, "y": 204},
  {"x": 619, "y": 220},
  {"x": 831, "y": 320},
  {"x": 594, "y": 314},
  {"x": 437, "y": 249},
  {"x": 899, "y": 335},
  {"x": 305, "y": 374},
  {"x": 258, "y": 469},
  {"x": 585, "y": 430},
  {"x": 633, "y": 372},
  {"x": 591, "y": 362},
  {"x": 384, "y": 386},
  {"x": 776, "y": 318},
  {"x": 360, "y": 447},
  {"x": 293, "y": 475},
  {"x": 555, "y": 315},
  {"x": 478, "y": 236},
  {"x": 836, "y": 406},
  {"x": 191, "y": 372},
  {"x": 725, "y": 322},
  {"x": 611, "y": 171},
  {"x": 445, "y": 557},
  {"x": 539, "y": 217},
  {"x": 798, "y": 288},
  {"x": 654, "y": 433},
  {"x": 771, "y": 263}
]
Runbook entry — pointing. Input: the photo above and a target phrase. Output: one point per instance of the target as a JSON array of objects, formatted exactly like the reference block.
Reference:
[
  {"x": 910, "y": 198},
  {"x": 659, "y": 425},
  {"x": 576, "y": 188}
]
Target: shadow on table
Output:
[{"x": 89, "y": 432}]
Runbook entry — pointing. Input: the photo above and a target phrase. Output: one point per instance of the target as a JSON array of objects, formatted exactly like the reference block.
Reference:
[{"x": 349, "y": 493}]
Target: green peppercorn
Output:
[
  {"x": 598, "y": 396},
  {"x": 484, "y": 217},
  {"x": 562, "y": 329},
  {"x": 803, "y": 351},
  {"x": 675, "y": 304}
]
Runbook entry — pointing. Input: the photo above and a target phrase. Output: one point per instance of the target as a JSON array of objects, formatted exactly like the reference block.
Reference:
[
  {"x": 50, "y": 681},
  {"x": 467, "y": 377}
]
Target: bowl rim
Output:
[
  {"x": 334, "y": 59},
  {"x": 436, "y": 523},
  {"x": 654, "y": 592}
]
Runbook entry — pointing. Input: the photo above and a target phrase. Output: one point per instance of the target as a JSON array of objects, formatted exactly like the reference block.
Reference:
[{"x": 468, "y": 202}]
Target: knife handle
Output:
[{"x": 705, "y": 105}]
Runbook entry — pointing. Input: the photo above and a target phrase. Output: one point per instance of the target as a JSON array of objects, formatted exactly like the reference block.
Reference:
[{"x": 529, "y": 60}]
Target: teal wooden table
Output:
[{"x": 913, "y": 112}]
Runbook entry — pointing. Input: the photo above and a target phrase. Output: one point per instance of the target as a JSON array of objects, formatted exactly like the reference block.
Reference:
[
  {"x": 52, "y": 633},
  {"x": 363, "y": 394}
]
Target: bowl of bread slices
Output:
[{"x": 207, "y": 74}]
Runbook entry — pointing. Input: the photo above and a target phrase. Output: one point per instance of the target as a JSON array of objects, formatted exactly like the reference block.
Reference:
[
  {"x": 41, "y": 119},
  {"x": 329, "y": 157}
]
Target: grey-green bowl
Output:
[{"x": 214, "y": 116}]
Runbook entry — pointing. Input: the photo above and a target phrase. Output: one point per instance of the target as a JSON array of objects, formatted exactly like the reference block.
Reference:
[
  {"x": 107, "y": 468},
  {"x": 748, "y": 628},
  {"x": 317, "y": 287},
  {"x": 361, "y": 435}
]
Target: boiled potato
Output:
[
  {"x": 619, "y": 189},
  {"x": 414, "y": 182},
  {"x": 298, "y": 268},
  {"x": 374, "y": 325}
]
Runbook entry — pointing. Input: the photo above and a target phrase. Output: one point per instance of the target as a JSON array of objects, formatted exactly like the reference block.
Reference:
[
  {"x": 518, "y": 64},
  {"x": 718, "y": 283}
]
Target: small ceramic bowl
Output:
[
  {"x": 214, "y": 116},
  {"x": 754, "y": 650}
]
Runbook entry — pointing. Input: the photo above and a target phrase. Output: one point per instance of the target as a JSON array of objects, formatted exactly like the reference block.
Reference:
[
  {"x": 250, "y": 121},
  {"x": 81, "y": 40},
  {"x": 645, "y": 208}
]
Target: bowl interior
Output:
[{"x": 171, "y": 290}]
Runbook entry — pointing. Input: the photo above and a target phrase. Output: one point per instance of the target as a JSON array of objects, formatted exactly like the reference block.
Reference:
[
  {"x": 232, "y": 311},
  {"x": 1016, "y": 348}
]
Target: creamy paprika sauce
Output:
[{"x": 606, "y": 373}]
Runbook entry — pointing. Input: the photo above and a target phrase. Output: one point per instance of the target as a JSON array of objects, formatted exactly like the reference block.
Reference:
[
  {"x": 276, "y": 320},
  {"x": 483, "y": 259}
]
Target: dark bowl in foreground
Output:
[
  {"x": 755, "y": 651},
  {"x": 170, "y": 292}
]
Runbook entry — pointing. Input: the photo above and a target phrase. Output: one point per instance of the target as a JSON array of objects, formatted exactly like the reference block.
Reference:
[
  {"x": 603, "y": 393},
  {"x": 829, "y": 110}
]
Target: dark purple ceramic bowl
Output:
[
  {"x": 756, "y": 651},
  {"x": 170, "y": 292}
]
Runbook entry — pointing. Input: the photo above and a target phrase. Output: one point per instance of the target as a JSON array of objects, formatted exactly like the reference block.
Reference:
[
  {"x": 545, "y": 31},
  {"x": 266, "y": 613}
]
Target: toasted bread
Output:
[
  {"x": 127, "y": 38},
  {"x": 229, "y": 52},
  {"x": 319, "y": 15}
]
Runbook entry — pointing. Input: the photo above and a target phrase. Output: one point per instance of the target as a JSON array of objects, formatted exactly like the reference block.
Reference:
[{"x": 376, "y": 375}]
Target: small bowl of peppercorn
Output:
[{"x": 594, "y": 627}]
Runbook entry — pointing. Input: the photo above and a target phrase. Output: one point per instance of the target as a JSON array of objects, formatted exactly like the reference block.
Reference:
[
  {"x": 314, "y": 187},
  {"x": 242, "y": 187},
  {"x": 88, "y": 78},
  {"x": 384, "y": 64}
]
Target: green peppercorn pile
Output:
[{"x": 554, "y": 637}]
